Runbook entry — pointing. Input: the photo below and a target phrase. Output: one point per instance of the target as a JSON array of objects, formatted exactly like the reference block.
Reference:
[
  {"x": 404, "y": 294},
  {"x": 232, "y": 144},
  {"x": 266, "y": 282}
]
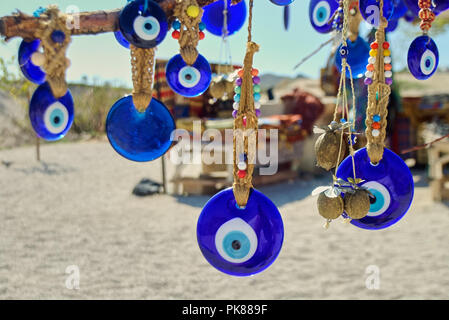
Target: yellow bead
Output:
[
  {"x": 193, "y": 11},
  {"x": 373, "y": 53},
  {"x": 387, "y": 53}
]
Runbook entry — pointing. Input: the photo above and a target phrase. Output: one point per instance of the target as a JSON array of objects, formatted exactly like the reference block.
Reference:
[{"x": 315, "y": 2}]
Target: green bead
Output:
[
  {"x": 377, "y": 96},
  {"x": 256, "y": 88},
  {"x": 237, "y": 90}
]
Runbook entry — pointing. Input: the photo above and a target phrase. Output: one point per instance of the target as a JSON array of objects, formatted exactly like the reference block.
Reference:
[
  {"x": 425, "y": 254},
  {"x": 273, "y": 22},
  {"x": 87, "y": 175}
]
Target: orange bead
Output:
[
  {"x": 240, "y": 73},
  {"x": 374, "y": 45},
  {"x": 254, "y": 72},
  {"x": 387, "y": 67},
  {"x": 375, "y": 125},
  {"x": 370, "y": 67}
]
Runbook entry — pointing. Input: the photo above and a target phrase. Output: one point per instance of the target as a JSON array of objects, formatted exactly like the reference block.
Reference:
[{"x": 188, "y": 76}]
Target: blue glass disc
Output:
[
  {"x": 143, "y": 29},
  {"x": 422, "y": 57},
  {"x": 51, "y": 118},
  {"x": 392, "y": 25},
  {"x": 390, "y": 181},
  {"x": 30, "y": 71},
  {"x": 320, "y": 12},
  {"x": 139, "y": 136},
  {"x": 441, "y": 5},
  {"x": 240, "y": 242},
  {"x": 286, "y": 17},
  {"x": 358, "y": 54},
  {"x": 399, "y": 9},
  {"x": 121, "y": 39},
  {"x": 213, "y": 17},
  {"x": 282, "y": 2},
  {"x": 188, "y": 81},
  {"x": 369, "y": 10}
]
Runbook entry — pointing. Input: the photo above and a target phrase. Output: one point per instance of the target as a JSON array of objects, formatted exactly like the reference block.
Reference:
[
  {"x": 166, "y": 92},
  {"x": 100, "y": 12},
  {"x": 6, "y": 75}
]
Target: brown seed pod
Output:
[
  {"x": 330, "y": 205},
  {"x": 327, "y": 149},
  {"x": 217, "y": 89},
  {"x": 357, "y": 204}
]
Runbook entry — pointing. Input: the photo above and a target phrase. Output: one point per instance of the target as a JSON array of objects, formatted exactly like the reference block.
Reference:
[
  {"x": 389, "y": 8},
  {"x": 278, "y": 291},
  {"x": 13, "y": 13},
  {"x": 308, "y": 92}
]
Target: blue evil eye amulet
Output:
[
  {"x": 213, "y": 17},
  {"x": 423, "y": 57},
  {"x": 31, "y": 71},
  {"x": 320, "y": 13}
]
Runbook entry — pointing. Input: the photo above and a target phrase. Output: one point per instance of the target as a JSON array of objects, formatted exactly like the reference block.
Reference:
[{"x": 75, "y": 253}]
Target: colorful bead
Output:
[
  {"x": 385, "y": 45},
  {"x": 256, "y": 88},
  {"x": 387, "y": 53},
  {"x": 238, "y": 81},
  {"x": 388, "y": 74},
  {"x": 258, "y": 112},
  {"x": 375, "y": 133},
  {"x": 244, "y": 121},
  {"x": 240, "y": 73},
  {"x": 193, "y": 11},
  {"x": 387, "y": 59},
  {"x": 238, "y": 90},
  {"x": 176, "y": 34},
  {"x": 344, "y": 51},
  {"x": 176, "y": 25},
  {"x": 235, "y": 105},
  {"x": 372, "y": 60},
  {"x": 369, "y": 74},
  {"x": 241, "y": 165},
  {"x": 201, "y": 35},
  {"x": 257, "y": 105},
  {"x": 368, "y": 81},
  {"x": 58, "y": 36},
  {"x": 374, "y": 45},
  {"x": 373, "y": 53},
  {"x": 202, "y": 26},
  {"x": 375, "y": 125},
  {"x": 376, "y": 118},
  {"x": 254, "y": 72},
  {"x": 237, "y": 98},
  {"x": 256, "y": 96},
  {"x": 370, "y": 67},
  {"x": 387, "y": 67},
  {"x": 256, "y": 80},
  {"x": 389, "y": 81},
  {"x": 241, "y": 174},
  {"x": 234, "y": 114}
]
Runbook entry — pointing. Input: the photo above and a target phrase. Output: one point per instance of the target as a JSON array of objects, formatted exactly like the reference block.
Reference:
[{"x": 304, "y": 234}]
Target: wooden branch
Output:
[{"x": 94, "y": 22}]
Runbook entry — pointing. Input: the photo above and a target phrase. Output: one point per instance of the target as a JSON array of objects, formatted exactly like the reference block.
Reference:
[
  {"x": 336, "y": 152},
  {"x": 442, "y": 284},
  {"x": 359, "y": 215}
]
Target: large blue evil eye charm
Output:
[
  {"x": 390, "y": 183},
  {"x": 357, "y": 54},
  {"x": 320, "y": 12},
  {"x": 392, "y": 25},
  {"x": 399, "y": 9},
  {"x": 139, "y": 136},
  {"x": 236, "y": 241},
  {"x": 370, "y": 11},
  {"x": 143, "y": 28},
  {"x": 282, "y": 2},
  {"x": 422, "y": 57},
  {"x": 188, "y": 81},
  {"x": 32, "y": 72},
  {"x": 121, "y": 39},
  {"x": 51, "y": 118},
  {"x": 213, "y": 17}
]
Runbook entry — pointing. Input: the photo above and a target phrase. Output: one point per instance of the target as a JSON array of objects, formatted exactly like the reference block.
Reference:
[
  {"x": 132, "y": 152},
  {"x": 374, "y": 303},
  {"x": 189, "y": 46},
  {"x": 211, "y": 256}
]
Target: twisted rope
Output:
[{"x": 142, "y": 62}]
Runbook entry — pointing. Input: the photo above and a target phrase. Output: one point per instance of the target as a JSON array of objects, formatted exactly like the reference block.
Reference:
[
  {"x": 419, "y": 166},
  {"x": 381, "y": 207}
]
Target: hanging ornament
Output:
[
  {"x": 423, "y": 54},
  {"x": 330, "y": 204},
  {"x": 321, "y": 14},
  {"x": 437, "y": 6},
  {"x": 31, "y": 61},
  {"x": 282, "y": 2},
  {"x": 188, "y": 73},
  {"x": 356, "y": 53},
  {"x": 143, "y": 23},
  {"x": 240, "y": 231},
  {"x": 139, "y": 127},
  {"x": 286, "y": 17},
  {"x": 399, "y": 10},
  {"x": 379, "y": 171},
  {"x": 121, "y": 39},
  {"x": 214, "y": 21},
  {"x": 392, "y": 25},
  {"x": 370, "y": 10},
  {"x": 329, "y": 150},
  {"x": 255, "y": 81},
  {"x": 51, "y": 117}
]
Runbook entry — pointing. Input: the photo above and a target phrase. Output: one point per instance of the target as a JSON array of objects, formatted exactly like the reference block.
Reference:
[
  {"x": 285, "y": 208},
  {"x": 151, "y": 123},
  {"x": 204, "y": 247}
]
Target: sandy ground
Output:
[{"x": 76, "y": 208}]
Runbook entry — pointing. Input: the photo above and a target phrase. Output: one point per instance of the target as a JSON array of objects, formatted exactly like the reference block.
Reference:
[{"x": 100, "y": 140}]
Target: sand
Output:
[{"x": 76, "y": 208}]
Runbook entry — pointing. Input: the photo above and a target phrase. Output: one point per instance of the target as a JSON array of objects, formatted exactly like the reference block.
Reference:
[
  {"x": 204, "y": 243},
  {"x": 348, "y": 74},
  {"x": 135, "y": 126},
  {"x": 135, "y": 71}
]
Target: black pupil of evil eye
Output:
[
  {"x": 148, "y": 26},
  {"x": 372, "y": 199},
  {"x": 188, "y": 76},
  {"x": 56, "y": 120},
  {"x": 236, "y": 245}
]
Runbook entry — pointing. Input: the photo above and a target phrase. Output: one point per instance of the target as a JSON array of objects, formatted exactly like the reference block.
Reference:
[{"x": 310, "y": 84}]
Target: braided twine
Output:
[
  {"x": 142, "y": 61},
  {"x": 378, "y": 97},
  {"x": 189, "y": 31},
  {"x": 245, "y": 137},
  {"x": 55, "y": 61}
]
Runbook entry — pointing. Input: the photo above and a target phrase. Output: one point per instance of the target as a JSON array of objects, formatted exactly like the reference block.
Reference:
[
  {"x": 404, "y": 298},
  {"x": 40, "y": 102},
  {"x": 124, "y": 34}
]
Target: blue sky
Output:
[{"x": 103, "y": 58}]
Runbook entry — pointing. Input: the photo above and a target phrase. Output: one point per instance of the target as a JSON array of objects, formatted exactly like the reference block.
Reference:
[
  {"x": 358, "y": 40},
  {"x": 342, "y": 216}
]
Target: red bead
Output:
[
  {"x": 254, "y": 72},
  {"x": 375, "y": 125},
  {"x": 201, "y": 35},
  {"x": 241, "y": 174},
  {"x": 385, "y": 45},
  {"x": 175, "y": 34},
  {"x": 240, "y": 73},
  {"x": 374, "y": 45}
]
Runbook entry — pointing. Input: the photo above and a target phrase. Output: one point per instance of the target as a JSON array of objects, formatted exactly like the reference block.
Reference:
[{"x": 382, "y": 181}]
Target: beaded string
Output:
[
  {"x": 245, "y": 125},
  {"x": 378, "y": 91},
  {"x": 187, "y": 29},
  {"x": 55, "y": 38},
  {"x": 426, "y": 15}
]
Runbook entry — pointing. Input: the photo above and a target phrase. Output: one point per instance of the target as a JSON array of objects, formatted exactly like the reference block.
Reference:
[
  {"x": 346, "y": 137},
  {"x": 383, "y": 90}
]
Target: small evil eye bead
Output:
[
  {"x": 237, "y": 97},
  {"x": 385, "y": 45},
  {"x": 51, "y": 118},
  {"x": 388, "y": 74},
  {"x": 387, "y": 53},
  {"x": 57, "y": 36},
  {"x": 143, "y": 28},
  {"x": 237, "y": 90},
  {"x": 375, "y": 125},
  {"x": 368, "y": 81},
  {"x": 376, "y": 118},
  {"x": 241, "y": 165},
  {"x": 369, "y": 74},
  {"x": 176, "y": 25},
  {"x": 258, "y": 112},
  {"x": 202, "y": 26},
  {"x": 256, "y": 80},
  {"x": 387, "y": 59},
  {"x": 235, "y": 105},
  {"x": 193, "y": 11},
  {"x": 375, "y": 132},
  {"x": 201, "y": 35},
  {"x": 176, "y": 34},
  {"x": 389, "y": 81},
  {"x": 343, "y": 120},
  {"x": 374, "y": 45},
  {"x": 241, "y": 174},
  {"x": 373, "y": 53},
  {"x": 387, "y": 67},
  {"x": 256, "y": 88},
  {"x": 31, "y": 60},
  {"x": 256, "y": 96},
  {"x": 234, "y": 114},
  {"x": 238, "y": 82},
  {"x": 254, "y": 72},
  {"x": 370, "y": 67},
  {"x": 372, "y": 60},
  {"x": 344, "y": 51}
]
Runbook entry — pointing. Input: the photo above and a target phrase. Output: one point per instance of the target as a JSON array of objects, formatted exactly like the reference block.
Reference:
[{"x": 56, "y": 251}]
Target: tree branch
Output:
[{"x": 94, "y": 22}]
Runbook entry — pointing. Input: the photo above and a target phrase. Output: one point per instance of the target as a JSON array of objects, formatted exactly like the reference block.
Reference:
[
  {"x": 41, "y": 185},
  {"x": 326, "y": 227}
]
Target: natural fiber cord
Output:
[{"x": 142, "y": 61}]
